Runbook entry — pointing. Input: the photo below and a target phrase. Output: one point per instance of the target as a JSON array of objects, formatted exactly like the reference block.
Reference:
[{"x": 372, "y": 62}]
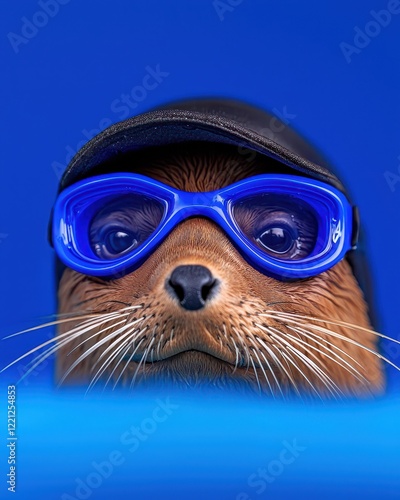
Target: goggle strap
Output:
[
  {"x": 356, "y": 227},
  {"x": 50, "y": 228}
]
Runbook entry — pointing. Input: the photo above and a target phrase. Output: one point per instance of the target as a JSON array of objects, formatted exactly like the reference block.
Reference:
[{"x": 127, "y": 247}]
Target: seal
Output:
[
  {"x": 197, "y": 313},
  {"x": 207, "y": 243}
]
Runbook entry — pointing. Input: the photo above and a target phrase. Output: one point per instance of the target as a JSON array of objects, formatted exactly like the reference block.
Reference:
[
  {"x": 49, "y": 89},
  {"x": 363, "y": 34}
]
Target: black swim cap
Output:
[{"x": 210, "y": 120}]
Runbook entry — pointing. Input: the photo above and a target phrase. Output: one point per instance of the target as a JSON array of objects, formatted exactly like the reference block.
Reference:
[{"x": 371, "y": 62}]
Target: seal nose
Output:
[{"x": 192, "y": 285}]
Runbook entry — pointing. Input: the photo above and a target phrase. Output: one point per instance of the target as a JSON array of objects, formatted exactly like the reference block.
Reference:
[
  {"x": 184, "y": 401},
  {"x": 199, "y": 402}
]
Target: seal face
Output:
[{"x": 195, "y": 311}]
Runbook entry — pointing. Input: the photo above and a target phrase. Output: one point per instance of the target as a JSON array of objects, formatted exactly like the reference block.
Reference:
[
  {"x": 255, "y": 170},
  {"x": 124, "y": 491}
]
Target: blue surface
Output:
[{"x": 67, "y": 80}]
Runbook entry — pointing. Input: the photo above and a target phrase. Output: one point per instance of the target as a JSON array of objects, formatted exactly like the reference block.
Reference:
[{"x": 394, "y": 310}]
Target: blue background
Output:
[{"x": 63, "y": 85}]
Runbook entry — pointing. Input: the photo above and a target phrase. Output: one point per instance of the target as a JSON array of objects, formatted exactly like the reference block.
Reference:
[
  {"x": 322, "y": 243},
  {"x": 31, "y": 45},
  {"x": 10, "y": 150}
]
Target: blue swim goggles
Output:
[{"x": 285, "y": 226}]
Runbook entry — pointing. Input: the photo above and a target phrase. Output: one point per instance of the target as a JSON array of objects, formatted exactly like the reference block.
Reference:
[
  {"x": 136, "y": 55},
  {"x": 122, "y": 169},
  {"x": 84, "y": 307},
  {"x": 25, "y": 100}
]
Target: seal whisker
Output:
[
  {"x": 332, "y": 387},
  {"x": 71, "y": 335},
  {"x": 237, "y": 352},
  {"x": 98, "y": 333},
  {"x": 350, "y": 368},
  {"x": 52, "y": 323},
  {"x": 254, "y": 349},
  {"x": 282, "y": 335},
  {"x": 124, "y": 345},
  {"x": 331, "y": 322},
  {"x": 276, "y": 359},
  {"x": 316, "y": 338},
  {"x": 159, "y": 344},
  {"x": 255, "y": 373},
  {"x": 132, "y": 333},
  {"x": 78, "y": 330},
  {"x": 92, "y": 349},
  {"x": 142, "y": 361},
  {"x": 75, "y": 333},
  {"x": 347, "y": 339},
  {"x": 289, "y": 359},
  {"x": 70, "y": 317},
  {"x": 284, "y": 352},
  {"x": 246, "y": 350},
  {"x": 125, "y": 348},
  {"x": 152, "y": 349},
  {"x": 321, "y": 374},
  {"x": 128, "y": 361},
  {"x": 272, "y": 371},
  {"x": 131, "y": 323},
  {"x": 250, "y": 336},
  {"x": 58, "y": 345}
]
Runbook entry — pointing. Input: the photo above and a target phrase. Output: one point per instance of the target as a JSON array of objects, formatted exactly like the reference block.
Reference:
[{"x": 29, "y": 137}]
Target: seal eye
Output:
[
  {"x": 283, "y": 226},
  {"x": 115, "y": 241},
  {"x": 278, "y": 239},
  {"x": 118, "y": 241},
  {"x": 122, "y": 224}
]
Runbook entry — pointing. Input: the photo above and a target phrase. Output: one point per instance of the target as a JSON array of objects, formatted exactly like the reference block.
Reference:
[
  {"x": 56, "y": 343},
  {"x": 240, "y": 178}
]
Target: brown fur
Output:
[{"x": 235, "y": 314}]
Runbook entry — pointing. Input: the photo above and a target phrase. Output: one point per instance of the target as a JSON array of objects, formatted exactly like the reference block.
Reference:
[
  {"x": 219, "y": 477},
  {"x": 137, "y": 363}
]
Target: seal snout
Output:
[{"x": 192, "y": 286}]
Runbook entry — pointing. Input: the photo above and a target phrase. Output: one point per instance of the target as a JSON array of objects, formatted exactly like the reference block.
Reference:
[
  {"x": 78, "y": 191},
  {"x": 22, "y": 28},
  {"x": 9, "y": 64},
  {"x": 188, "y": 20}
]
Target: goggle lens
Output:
[
  {"x": 123, "y": 224},
  {"x": 282, "y": 226}
]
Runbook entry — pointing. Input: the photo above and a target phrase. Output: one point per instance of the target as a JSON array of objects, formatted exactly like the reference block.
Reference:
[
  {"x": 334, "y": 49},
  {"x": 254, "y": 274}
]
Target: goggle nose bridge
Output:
[
  {"x": 199, "y": 200},
  {"x": 210, "y": 205}
]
